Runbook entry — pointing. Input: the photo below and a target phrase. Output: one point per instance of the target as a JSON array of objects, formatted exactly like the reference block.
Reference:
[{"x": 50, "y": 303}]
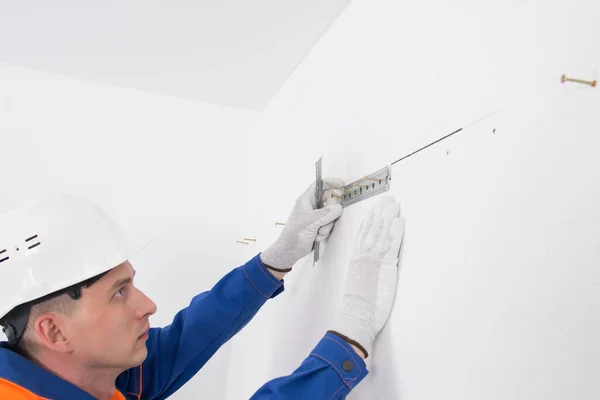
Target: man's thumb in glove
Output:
[{"x": 325, "y": 215}]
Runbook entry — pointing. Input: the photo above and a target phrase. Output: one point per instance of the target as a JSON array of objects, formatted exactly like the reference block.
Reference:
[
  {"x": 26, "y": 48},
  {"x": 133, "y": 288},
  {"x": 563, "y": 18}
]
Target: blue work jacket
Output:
[{"x": 178, "y": 351}]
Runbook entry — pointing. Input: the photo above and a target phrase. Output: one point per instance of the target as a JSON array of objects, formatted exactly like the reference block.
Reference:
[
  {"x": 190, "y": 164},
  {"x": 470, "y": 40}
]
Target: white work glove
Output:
[
  {"x": 372, "y": 275},
  {"x": 305, "y": 225}
]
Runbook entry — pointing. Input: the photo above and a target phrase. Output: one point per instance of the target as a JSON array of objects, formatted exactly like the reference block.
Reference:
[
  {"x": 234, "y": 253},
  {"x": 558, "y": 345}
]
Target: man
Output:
[{"x": 78, "y": 328}]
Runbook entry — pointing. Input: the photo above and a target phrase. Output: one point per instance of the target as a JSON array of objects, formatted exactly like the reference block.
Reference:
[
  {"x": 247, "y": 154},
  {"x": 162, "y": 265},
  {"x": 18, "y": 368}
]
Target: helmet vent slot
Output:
[
  {"x": 33, "y": 245},
  {"x": 3, "y": 258}
]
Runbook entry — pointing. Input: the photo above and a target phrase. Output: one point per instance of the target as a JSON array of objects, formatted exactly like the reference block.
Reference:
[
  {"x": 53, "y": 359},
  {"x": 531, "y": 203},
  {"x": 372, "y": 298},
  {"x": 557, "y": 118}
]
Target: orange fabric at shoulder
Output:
[
  {"x": 117, "y": 396},
  {"x": 12, "y": 391}
]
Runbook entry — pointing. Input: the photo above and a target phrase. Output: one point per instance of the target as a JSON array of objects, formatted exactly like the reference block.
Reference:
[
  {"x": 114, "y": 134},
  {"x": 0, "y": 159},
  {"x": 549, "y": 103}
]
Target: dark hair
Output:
[{"x": 14, "y": 323}]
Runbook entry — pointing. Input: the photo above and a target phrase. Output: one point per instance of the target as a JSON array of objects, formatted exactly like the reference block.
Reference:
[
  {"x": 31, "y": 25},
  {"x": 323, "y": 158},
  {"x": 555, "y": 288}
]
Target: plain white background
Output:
[{"x": 498, "y": 290}]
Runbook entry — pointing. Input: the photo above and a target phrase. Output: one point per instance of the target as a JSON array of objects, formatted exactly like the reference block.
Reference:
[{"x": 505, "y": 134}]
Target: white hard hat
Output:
[{"x": 52, "y": 244}]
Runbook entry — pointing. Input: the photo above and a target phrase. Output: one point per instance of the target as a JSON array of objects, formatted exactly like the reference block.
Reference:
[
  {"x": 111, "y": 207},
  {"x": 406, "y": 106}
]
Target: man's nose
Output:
[{"x": 146, "y": 306}]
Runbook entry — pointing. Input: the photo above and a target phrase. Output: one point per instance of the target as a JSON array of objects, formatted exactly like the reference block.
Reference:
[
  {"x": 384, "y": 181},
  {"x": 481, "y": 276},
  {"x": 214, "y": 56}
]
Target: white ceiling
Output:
[{"x": 230, "y": 52}]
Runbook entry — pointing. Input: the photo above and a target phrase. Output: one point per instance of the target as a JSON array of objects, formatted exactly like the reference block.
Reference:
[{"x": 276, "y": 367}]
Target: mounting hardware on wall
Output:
[
  {"x": 564, "y": 79},
  {"x": 250, "y": 239},
  {"x": 319, "y": 201},
  {"x": 279, "y": 223},
  {"x": 240, "y": 242},
  {"x": 368, "y": 178},
  {"x": 368, "y": 186},
  {"x": 361, "y": 189}
]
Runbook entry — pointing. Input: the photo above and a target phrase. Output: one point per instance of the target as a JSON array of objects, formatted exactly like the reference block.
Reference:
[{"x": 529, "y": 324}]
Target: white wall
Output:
[
  {"x": 499, "y": 294},
  {"x": 163, "y": 167}
]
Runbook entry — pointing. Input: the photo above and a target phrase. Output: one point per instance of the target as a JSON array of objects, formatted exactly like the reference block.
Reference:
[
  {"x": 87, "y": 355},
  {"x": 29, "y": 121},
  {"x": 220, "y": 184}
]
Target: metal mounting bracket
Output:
[
  {"x": 319, "y": 201},
  {"x": 361, "y": 189},
  {"x": 368, "y": 186}
]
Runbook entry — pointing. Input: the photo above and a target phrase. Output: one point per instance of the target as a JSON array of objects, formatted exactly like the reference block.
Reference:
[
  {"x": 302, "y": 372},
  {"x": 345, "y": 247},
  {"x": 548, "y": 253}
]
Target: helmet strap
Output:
[{"x": 14, "y": 323}]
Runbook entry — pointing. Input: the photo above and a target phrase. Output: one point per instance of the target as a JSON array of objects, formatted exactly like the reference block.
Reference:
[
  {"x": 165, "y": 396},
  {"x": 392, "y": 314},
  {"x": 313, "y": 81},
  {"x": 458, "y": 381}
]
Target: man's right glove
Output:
[
  {"x": 372, "y": 275},
  {"x": 305, "y": 225}
]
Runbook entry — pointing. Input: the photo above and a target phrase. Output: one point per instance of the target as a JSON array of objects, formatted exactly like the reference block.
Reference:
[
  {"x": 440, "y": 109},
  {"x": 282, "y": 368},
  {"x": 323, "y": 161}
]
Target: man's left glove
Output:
[{"x": 305, "y": 225}]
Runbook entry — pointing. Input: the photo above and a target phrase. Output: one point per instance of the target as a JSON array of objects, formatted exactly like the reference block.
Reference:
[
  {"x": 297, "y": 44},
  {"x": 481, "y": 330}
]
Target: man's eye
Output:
[{"x": 120, "y": 292}]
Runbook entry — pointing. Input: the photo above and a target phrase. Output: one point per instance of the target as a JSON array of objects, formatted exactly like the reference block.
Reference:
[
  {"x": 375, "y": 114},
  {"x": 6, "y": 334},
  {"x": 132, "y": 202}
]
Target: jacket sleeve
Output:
[
  {"x": 178, "y": 351},
  {"x": 331, "y": 371}
]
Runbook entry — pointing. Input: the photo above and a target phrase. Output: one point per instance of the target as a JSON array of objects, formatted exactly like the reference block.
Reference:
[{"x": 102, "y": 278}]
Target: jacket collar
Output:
[{"x": 19, "y": 370}]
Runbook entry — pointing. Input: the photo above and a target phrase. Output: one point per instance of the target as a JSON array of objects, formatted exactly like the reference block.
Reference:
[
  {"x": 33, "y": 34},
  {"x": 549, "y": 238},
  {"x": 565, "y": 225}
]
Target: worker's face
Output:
[{"x": 109, "y": 328}]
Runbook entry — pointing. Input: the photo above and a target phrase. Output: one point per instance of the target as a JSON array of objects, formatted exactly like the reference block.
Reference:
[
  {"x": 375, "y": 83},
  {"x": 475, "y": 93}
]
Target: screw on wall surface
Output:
[{"x": 564, "y": 79}]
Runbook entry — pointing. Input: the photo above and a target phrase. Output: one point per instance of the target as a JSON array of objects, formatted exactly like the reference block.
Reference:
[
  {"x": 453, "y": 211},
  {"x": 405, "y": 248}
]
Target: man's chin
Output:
[
  {"x": 139, "y": 356},
  {"x": 143, "y": 353}
]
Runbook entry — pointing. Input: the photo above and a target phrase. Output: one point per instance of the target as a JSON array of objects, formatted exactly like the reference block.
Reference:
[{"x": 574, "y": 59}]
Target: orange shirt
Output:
[{"x": 12, "y": 391}]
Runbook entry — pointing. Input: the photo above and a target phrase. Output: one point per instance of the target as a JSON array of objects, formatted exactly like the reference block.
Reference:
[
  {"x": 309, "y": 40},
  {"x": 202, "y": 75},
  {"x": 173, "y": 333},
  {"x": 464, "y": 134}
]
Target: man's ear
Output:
[{"x": 52, "y": 333}]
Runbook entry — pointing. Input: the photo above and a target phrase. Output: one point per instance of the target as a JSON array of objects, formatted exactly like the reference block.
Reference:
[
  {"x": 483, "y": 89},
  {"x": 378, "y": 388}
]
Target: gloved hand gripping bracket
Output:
[{"x": 361, "y": 189}]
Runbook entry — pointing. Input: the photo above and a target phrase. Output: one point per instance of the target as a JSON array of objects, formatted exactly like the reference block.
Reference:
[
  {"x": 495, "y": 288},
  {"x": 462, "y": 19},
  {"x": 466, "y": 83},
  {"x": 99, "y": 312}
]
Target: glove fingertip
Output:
[
  {"x": 335, "y": 183},
  {"x": 321, "y": 238},
  {"x": 334, "y": 211},
  {"x": 325, "y": 229},
  {"x": 397, "y": 227},
  {"x": 396, "y": 237},
  {"x": 336, "y": 208}
]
